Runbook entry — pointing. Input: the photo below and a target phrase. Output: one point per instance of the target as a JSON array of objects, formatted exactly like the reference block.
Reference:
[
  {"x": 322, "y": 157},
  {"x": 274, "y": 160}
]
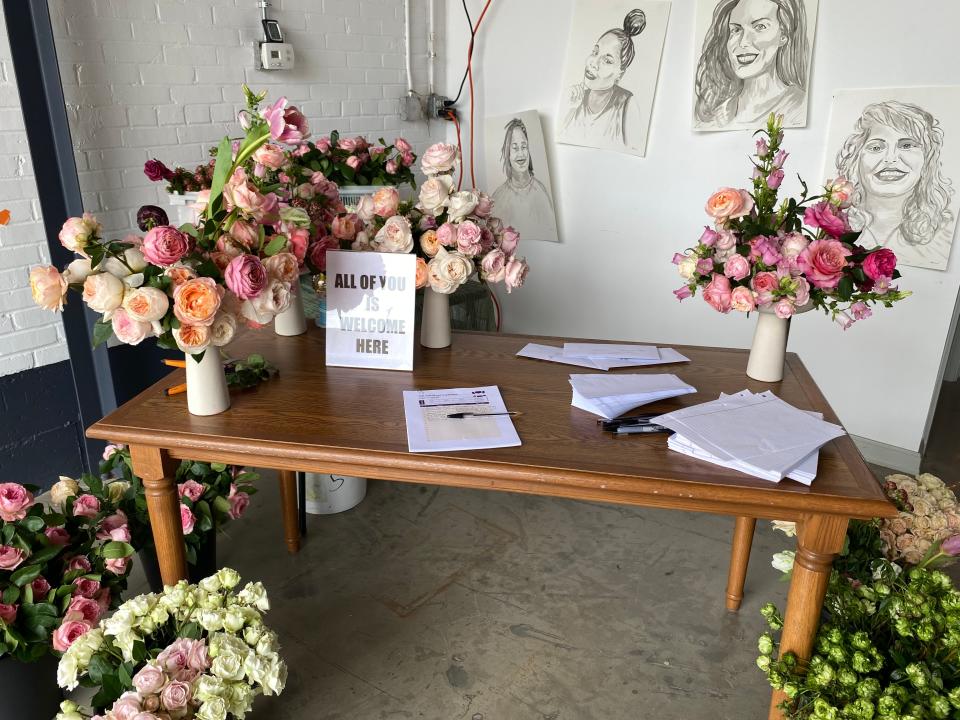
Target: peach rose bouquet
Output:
[
  {"x": 191, "y": 287},
  {"x": 786, "y": 256}
]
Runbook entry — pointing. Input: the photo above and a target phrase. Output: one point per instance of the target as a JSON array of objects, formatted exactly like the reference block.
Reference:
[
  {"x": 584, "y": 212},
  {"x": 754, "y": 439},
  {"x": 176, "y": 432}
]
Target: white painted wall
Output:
[
  {"x": 29, "y": 337},
  {"x": 622, "y": 218}
]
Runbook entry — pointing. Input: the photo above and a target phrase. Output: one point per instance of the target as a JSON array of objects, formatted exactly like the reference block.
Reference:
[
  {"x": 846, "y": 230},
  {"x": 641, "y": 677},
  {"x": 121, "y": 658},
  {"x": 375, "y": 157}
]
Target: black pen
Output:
[
  {"x": 634, "y": 429},
  {"x": 629, "y": 419}
]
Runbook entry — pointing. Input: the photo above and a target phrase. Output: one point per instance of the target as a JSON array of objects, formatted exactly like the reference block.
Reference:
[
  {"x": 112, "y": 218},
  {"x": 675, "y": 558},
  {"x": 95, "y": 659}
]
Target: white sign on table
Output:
[{"x": 370, "y": 309}]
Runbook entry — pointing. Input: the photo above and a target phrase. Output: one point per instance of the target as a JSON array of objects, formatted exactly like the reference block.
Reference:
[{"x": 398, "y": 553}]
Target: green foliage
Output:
[{"x": 250, "y": 372}]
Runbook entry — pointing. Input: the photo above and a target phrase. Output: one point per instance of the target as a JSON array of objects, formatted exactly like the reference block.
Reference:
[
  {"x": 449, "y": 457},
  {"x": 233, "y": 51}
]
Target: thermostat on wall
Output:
[{"x": 276, "y": 56}]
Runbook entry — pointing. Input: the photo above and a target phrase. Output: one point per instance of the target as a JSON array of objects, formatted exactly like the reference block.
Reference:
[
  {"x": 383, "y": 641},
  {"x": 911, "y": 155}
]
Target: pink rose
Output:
[
  {"x": 515, "y": 272},
  {"x": 127, "y": 707},
  {"x": 469, "y": 238},
  {"x": 402, "y": 145},
  {"x": 493, "y": 266},
  {"x": 245, "y": 276},
  {"x": 40, "y": 588},
  {"x": 509, "y": 240},
  {"x": 717, "y": 293},
  {"x": 880, "y": 263},
  {"x": 15, "y": 500},
  {"x": 386, "y": 201},
  {"x": 176, "y": 695},
  {"x": 765, "y": 282},
  {"x": 709, "y": 236},
  {"x": 270, "y": 155},
  {"x": 353, "y": 162},
  {"x": 323, "y": 144},
  {"x": 802, "y": 293},
  {"x": 737, "y": 267},
  {"x": 861, "y": 311},
  {"x": 149, "y": 680},
  {"x": 238, "y": 502},
  {"x": 197, "y": 657},
  {"x": 438, "y": 158},
  {"x": 484, "y": 205},
  {"x": 784, "y": 309},
  {"x": 128, "y": 330},
  {"x": 345, "y": 227},
  {"x": 823, "y": 262},
  {"x": 187, "y": 519},
  {"x": 391, "y": 167},
  {"x": 118, "y": 566},
  {"x": 793, "y": 244},
  {"x": 729, "y": 203},
  {"x": 68, "y": 633},
  {"x": 57, "y": 536},
  {"x": 725, "y": 240},
  {"x": 85, "y": 587},
  {"x": 176, "y": 656},
  {"x": 298, "y": 241},
  {"x": 114, "y": 527},
  {"x": 86, "y": 506},
  {"x": 244, "y": 233},
  {"x": 10, "y": 557},
  {"x": 741, "y": 299},
  {"x": 83, "y": 609},
  {"x": 79, "y": 562},
  {"x": 408, "y": 158},
  {"x": 823, "y": 215},
  {"x": 447, "y": 234},
  {"x": 8, "y": 614},
  {"x": 164, "y": 245},
  {"x": 839, "y": 192},
  {"x": 317, "y": 252},
  {"x": 191, "y": 489},
  {"x": 287, "y": 124},
  {"x": 348, "y": 144}
]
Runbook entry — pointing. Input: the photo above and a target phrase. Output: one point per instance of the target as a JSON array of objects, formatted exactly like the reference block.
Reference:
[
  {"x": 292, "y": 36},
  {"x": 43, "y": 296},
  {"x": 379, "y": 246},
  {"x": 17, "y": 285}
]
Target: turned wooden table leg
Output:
[
  {"x": 291, "y": 520},
  {"x": 739, "y": 559},
  {"x": 158, "y": 472},
  {"x": 819, "y": 540}
]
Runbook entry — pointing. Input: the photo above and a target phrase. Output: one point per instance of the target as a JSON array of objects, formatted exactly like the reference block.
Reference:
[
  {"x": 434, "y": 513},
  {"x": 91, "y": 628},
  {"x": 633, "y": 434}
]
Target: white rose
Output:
[
  {"x": 272, "y": 301},
  {"x": 687, "y": 266},
  {"x": 783, "y": 561},
  {"x": 365, "y": 208},
  {"x": 252, "y": 635},
  {"x": 146, "y": 304},
  {"x": 395, "y": 236},
  {"x": 362, "y": 241},
  {"x": 233, "y": 621},
  {"x": 103, "y": 292},
  {"x": 116, "y": 490},
  {"x": 434, "y": 194},
  {"x": 77, "y": 271},
  {"x": 274, "y": 678},
  {"x": 210, "y": 620},
  {"x": 223, "y": 329},
  {"x": 65, "y": 488},
  {"x": 438, "y": 158},
  {"x": 228, "y": 667},
  {"x": 786, "y": 527},
  {"x": 67, "y": 671},
  {"x": 268, "y": 644},
  {"x": 255, "y": 594},
  {"x": 448, "y": 271},
  {"x": 462, "y": 204},
  {"x": 215, "y": 708},
  {"x": 209, "y": 687}
]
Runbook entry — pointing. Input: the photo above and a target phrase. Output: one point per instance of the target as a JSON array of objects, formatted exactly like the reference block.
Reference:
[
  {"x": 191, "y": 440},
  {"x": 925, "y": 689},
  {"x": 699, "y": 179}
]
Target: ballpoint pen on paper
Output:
[{"x": 462, "y": 415}]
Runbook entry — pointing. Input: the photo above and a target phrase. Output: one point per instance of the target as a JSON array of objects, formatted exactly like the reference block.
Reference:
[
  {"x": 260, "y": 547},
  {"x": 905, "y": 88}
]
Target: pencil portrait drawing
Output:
[
  {"x": 610, "y": 80},
  {"x": 754, "y": 60}
]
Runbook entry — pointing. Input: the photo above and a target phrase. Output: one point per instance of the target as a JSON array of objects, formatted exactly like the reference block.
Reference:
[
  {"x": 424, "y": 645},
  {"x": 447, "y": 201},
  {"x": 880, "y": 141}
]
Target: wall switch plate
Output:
[{"x": 276, "y": 56}]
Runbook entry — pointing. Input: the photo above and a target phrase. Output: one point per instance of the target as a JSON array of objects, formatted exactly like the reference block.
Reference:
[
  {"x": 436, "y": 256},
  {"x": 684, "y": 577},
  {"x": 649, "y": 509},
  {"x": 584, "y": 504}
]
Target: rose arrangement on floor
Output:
[
  {"x": 453, "y": 233},
  {"x": 193, "y": 651},
  {"x": 189, "y": 287},
  {"x": 789, "y": 257},
  {"x": 60, "y": 572}
]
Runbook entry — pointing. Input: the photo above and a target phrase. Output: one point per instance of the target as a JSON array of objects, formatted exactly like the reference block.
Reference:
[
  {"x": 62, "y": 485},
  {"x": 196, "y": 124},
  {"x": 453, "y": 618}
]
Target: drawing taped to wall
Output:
[
  {"x": 613, "y": 59},
  {"x": 754, "y": 59},
  {"x": 516, "y": 164},
  {"x": 899, "y": 148}
]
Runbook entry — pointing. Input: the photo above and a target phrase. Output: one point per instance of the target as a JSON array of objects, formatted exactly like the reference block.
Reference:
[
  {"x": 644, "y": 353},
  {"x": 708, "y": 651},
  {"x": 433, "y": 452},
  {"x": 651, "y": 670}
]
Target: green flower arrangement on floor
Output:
[{"x": 889, "y": 645}]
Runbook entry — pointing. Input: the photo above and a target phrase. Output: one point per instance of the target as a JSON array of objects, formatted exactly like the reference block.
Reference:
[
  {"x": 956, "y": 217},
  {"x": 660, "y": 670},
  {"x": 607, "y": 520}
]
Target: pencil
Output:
[
  {"x": 176, "y": 389},
  {"x": 175, "y": 363}
]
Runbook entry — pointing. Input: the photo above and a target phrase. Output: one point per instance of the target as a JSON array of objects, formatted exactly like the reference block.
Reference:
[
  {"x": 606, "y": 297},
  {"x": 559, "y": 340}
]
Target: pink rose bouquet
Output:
[
  {"x": 929, "y": 519},
  {"x": 786, "y": 256},
  {"x": 357, "y": 161},
  {"x": 189, "y": 651}
]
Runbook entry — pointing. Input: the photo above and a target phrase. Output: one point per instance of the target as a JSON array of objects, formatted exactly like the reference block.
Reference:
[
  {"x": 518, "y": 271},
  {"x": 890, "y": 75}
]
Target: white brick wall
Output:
[
  {"x": 161, "y": 78},
  {"x": 29, "y": 337}
]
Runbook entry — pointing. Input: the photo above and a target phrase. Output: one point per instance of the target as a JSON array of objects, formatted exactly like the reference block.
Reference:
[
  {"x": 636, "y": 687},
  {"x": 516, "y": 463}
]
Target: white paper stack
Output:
[
  {"x": 602, "y": 356},
  {"x": 611, "y": 395},
  {"x": 759, "y": 435}
]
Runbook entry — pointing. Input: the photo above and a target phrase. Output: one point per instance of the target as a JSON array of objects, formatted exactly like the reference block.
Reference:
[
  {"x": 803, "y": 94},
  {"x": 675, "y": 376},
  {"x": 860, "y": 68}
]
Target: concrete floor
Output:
[{"x": 441, "y": 603}]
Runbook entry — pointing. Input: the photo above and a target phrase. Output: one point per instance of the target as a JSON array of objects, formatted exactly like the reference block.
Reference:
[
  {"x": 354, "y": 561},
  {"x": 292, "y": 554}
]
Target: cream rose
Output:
[
  {"x": 133, "y": 262},
  {"x": 395, "y": 236},
  {"x": 461, "y": 204},
  {"x": 146, "y": 304},
  {"x": 438, "y": 158},
  {"x": 103, "y": 292},
  {"x": 272, "y": 301},
  {"x": 429, "y": 243},
  {"x": 434, "y": 194},
  {"x": 192, "y": 339},
  {"x": 283, "y": 266},
  {"x": 65, "y": 488},
  {"x": 223, "y": 329},
  {"x": 77, "y": 271},
  {"x": 365, "y": 209},
  {"x": 687, "y": 266},
  {"x": 448, "y": 271},
  {"x": 48, "y": 287}
]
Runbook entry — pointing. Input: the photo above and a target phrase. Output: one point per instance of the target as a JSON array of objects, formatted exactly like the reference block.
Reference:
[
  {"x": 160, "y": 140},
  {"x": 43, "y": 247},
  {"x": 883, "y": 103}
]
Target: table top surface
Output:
[{"x": 334, "y": 419}]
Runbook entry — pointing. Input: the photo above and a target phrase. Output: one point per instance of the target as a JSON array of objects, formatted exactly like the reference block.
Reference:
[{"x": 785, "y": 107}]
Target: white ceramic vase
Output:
[
  {"x": 435, "y": 322},
  {"x": 292, "y": 321},
  {"x": 207, "y": 392},
  {"x": 769, "y": 349}
]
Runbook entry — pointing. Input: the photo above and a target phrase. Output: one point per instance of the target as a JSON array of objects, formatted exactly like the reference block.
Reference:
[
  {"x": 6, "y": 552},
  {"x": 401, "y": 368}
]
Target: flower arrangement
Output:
[
  {"x": 929, "y": 514},
  {"x": 193, "y": 651},
  {"x": 454, "y": 234},
  {"x": 189, "y": 287},
  {"x": 59, "y": 572},
  {"x": 789, "y": 257},
  {"x": 357, "y": 161}
]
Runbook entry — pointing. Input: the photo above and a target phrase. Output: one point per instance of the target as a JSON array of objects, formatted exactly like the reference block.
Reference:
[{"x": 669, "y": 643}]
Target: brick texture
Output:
[{"x": 161, "y": 78}]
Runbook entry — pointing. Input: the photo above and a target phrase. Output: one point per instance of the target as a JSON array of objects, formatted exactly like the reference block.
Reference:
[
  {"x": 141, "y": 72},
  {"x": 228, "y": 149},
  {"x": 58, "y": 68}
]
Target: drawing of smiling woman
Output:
[{"x": 753, "y": 62}]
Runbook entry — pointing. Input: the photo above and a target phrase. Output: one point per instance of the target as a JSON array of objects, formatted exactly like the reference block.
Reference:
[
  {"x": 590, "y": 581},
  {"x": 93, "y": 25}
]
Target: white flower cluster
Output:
[
  {"x": 930, "y": 514},
  {"x": 242, "y": 651}
]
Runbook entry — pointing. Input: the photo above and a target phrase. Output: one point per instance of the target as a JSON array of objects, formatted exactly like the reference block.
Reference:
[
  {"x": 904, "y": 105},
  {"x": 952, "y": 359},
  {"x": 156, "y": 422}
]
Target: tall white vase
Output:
[
  {"x": 292, "y": 321},
  {"x": 769, "y": 349},
  {"x": 207, "y": 392},
  {"x": 435, "y": 322}
]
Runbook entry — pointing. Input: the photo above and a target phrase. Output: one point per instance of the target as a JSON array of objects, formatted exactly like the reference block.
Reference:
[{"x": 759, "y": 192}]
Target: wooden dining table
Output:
[{"x": 351, "y": 421}]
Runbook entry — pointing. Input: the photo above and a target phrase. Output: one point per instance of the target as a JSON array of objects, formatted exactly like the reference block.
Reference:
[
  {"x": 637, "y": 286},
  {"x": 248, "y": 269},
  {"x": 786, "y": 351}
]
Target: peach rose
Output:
[
  {"x": 729, "y": 203},
  {"x": 103, "y": 292},
  {"x": 179, "y": 274},
  {"x": 128, "y": 330},
  {"x": 48, "y": 287},
  {"x": 741, "y": 299},
  {"x": 192, "y": 339},
  {"x": 270, "y": 155},
  {"x": 146, "y": 304},
  {"x": 386, "y": 201},
  {"x": 429, "y": 243},
  {"x": 423, "y": 278},
  {"x": 196, "y": 301},
  {"x": 283, "y": 266}
]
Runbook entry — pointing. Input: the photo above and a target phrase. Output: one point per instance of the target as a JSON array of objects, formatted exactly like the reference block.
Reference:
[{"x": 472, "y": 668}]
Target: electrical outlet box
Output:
[
  {"x": 411, "y": 110},
  {"x": 276, "y": 56},
  {"x": 437, "y": 107}
]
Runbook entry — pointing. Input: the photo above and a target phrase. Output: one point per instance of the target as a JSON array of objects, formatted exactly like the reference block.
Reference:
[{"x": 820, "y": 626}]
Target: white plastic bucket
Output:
[
  {"x": 181, "y": 207},
  {"x": 329, "y": 494}
]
